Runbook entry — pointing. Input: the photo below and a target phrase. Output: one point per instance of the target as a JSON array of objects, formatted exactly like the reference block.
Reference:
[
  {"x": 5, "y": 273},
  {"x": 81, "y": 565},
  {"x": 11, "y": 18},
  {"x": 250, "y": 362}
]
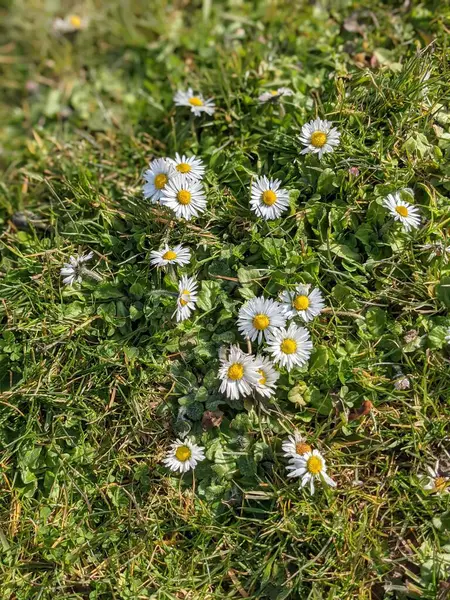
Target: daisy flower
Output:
[
  {"x": 319, "y": 137},
  {"x": 310, "y": 466},
  {"x": 187, "y": 297},
  {"x": 295, "y": 446},
  {"x": 402, "y": 211},
  {"x": 268, "y": 377},
  {"x": 435, "y": 482},
  {"x": 268, "y": 200},
  {"x": 157, "y": 177},
  {"x": 259, "y": 317},
  {"x": 73, "y": 271},
  {"x": 447, "y": 337},
  {"x": 290, "y": 347},
  {"x": 183, "y": 456},
  {"x": 196, "y": 102},
  {"x": 274, "y": 95},
  {"x": 170, "y": 256},
  {"x": 239, "y": 373},
  {"x": 70, "y": 24},
  {"x": 189, "y": 167},
  {"x": 303, "y": 302},
  {"x": 185, "y": 197}
]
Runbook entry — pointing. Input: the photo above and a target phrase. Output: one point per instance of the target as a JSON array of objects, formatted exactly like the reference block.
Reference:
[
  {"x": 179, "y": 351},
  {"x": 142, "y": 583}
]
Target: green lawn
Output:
[{"x": 98, "y": 379}]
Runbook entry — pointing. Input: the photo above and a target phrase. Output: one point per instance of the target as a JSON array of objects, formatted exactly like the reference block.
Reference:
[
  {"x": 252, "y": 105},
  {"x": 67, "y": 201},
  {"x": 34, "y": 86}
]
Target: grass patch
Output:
[{"x": 93, "y": 376}]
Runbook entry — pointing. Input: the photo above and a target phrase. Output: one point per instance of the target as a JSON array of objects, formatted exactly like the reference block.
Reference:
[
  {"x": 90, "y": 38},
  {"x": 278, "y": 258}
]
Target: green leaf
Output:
[
  {"x": 375, "y": 320},
  {"x": 319, "y": 359},
  {"x": 443, "y": 291},
  {"x": 326, "y": 182},
  {"x": 247, "y": 275},
  {"x": 436, "y": 337},
  {"x": 208, "y": 295}
]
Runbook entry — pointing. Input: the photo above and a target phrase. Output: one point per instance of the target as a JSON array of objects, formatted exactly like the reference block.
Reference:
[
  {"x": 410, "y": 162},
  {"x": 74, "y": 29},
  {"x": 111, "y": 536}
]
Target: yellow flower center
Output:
[
  {"x": 184, "y": 197},
  {"x": 288, "y": 346},
  {"x": 318, "y": 139},
  {"x": 402, "y": 211},
  {"x": 269, "y": 197},
  {"x": 314, "y": 465},
  {"x": 195, "y": 101},
  {"x": 187, "y": 293},
  {"x": 261, "y": 322},
  {"x": 301, "y": 302},
  {"x": 302, "y": 448},
  {"x": 263, "y": 379},
  {"x": 440, "y": 483},
  {"x": 160, "y": 181},
  {"x": 183, "y": 453},
  {"x": 274, "y": 92},
  {"x": 75, "y": 21},
  {"x": 235, "y": 371},
  {"x": 169, "y": 255},
  {"x": 184, "y": 168}
]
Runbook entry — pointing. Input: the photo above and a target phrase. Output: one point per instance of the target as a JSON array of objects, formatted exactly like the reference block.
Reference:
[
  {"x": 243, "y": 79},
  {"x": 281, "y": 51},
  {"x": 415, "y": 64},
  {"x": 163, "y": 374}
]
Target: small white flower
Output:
[
  {"x": 295, "y": 446},
  {"x": 268, "y": 200},
  {"x": 183, "y": 456},
  {"x": 274, "y": 95},
  {"x": 170, "y": 256},
  {"x": 187, "y": 297},
  {"x": 447, "y": 337},
  {"x": 189, "y": 167},
  {"x": 157, "y": 176},
  {"x": 239, "y": 373},
  {"x": 268, "y": 377},
  {"x": 259, "y": 317},
  {"x": 319, "y": 137},
  {"x": 185, "y": 197},
  {"x": 402, "y": 383},
  {"x": 303, "y": 302},
  {"x": 73, "y": 271},
  {"x": 196, "y": 102},
  {"x": 310, "y": 466},
  {"x": 435, "y": 482},
  {"x": 290, "y": 347},
  {"x": 70, "y": 24},
  {"x": 402, "y": 211}
]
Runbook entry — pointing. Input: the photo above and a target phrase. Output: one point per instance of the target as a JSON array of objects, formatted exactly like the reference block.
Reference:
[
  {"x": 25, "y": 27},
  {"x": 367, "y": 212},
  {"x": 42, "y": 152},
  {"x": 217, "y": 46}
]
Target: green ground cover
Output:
[{"x": 93, "y": 376}]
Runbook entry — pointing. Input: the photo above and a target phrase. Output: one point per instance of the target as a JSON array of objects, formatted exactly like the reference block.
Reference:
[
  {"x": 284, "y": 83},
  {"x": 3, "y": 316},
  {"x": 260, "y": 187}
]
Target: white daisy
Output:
[
  {"x": 196, "y": 102},
  {"x": 183, "y": 456},
  {"x": 295, "y": 446},
  {"x": 268, "y": 200},
  {"x": 290, "y": 347},
  {"x": 170, "y": 256},
  {"x": 268, "y": 377},
  {"x": 259, "y": 317},
  {"x": 435, "y": 482},
  {"x": 185, "y": 197},
  {"x": 319, "y": 137},
  {"x": 239, "y": 373},
  {"x": 274, "y": 95},
  {"x": 189, "y": 167},
  {"x": 402, "y": 211},
  {"x": 303, "y": 302},
  {"x": 447, "y": 337},
  {"x": 73, "y": 271},
  {"x": 310, "y": 466},
  {"x": 158, "y": 175},
  {"x": 187, "y": 297},
  {"x": 70, "y": 24}
]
